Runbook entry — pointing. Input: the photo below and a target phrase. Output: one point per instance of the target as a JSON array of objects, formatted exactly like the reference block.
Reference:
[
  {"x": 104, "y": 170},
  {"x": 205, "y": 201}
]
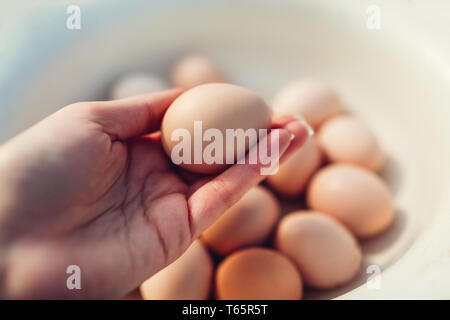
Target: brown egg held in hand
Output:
[
  {"x": 187, "y": 278},
  {"x": 325, "y": 252},
  {"x": 210, "y": 109},
  {"x": 355, "y": 196},
  {"x": 312, "y": 100},
  {"x": 248, "y": 222},
  {"x": 258, "y": 274},
  {"x": 295, "y": 172},
  {"x": 346, "y": 139},
  {"x": 195, "y": 70}
]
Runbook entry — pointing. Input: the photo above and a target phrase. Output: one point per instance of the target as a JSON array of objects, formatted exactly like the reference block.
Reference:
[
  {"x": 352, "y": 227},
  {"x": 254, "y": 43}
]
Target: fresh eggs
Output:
[
  {"x": 324, "y": 250},
  {"x": 248, "y": 222},
  {"x": 346, "y": 139},
  {"x": 355, "y": 196},
  {"x": 258, "y": 274},
  {"x": 189, "y": 277},
  {"x": 194, "y": 70},
  {"x": 254, "y": 251},
  {"x": 198, "y": 118},
  {"x": 137, "y": 83},
  {"x": 310, "y": 99},
  {"x": 294, "y": 173}
]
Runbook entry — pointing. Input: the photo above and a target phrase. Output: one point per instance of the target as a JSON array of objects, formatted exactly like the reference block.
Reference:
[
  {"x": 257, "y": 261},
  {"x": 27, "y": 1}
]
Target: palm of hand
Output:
[
  {"x": 146, "y": 207},
  {"x": 133, "y": 204},
  {"x": 111, "y": 204}
]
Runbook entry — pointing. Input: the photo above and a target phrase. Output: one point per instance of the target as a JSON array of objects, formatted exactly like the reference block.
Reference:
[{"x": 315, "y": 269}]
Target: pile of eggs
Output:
[{"x": 253, "y": 251}]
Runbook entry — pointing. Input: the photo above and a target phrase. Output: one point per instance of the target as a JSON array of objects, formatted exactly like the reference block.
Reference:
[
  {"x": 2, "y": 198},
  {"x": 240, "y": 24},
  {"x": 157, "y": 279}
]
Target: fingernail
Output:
[{"x": 305, "y": 123}]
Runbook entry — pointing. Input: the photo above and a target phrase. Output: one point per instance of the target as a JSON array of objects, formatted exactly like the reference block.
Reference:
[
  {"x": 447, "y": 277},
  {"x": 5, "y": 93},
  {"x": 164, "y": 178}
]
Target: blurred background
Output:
[{"x": 393, "y": 74}]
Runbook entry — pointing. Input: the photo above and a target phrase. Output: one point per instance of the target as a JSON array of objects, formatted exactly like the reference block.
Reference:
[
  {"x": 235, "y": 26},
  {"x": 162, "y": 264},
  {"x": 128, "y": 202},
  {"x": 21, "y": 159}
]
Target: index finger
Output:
[{"x": 213, "y": 198}]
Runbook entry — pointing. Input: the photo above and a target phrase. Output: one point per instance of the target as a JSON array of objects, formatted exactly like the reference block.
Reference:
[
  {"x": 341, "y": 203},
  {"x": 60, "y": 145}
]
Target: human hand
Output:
[{"x": 90, "y": 186}]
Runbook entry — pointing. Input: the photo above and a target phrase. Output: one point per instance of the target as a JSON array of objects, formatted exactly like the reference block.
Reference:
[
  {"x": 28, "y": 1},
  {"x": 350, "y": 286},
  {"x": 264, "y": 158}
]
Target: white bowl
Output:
[{"x": 392, "y": 78}]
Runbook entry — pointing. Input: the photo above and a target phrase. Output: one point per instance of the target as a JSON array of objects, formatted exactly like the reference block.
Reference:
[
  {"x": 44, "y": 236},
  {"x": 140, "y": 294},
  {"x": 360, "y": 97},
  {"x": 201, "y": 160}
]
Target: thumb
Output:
[{"x": 133, "y": 116}]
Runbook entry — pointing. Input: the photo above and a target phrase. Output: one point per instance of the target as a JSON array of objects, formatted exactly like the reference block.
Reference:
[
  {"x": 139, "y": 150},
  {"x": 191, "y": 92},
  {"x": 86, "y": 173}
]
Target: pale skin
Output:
[{"x": 91, "y": 186}]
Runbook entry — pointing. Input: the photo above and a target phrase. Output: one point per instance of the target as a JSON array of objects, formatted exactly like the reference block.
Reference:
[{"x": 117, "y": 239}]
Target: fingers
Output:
[
  {"x": 301, "y": 132},
  {"x": 214, "y": 197},
  {"x": 134, "y": 116},
  {"x": 281, "y": 121},
  {"x": 298, "y": 126}
]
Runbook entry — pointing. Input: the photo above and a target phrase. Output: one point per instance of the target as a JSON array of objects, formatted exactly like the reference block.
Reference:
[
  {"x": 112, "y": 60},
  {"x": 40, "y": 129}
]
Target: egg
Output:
[
  {"x": 353, "y": 195},
  {"x": 195, "y": 70},
  {"x": 187, "y": 278},
  {"x": 248, "y": 222},
  {"x": 258, "y": 274},
  {"x": 312, "y": 100},
  {"x": 294, "y": 173},
  {"x": 325, "y": 252},
  {"x": 216, "y": 106},
  {"x": 346, "y": 139},
  {"x": 137, "y": 83}
]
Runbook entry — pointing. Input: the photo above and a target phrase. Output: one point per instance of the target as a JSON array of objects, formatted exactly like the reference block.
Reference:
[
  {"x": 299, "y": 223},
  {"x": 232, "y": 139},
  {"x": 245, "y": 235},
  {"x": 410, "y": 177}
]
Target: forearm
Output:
[
  {"x": 8, "y": 205},
  {"x": 11, "y": 200}
]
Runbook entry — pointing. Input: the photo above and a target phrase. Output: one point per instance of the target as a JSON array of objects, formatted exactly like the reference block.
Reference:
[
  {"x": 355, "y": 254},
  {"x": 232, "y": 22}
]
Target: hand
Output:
[{"x": 90, "y": 186}]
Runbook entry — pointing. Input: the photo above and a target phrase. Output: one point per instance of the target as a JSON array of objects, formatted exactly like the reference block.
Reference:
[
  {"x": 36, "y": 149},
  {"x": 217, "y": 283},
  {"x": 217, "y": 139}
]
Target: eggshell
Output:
[
  {"x": 325, "y": 252},
  {"x": 195, "y": 70},
  {"x": 258, "y": 274},
  {"x": 355, "y": 196},
  {"x": 312, "y": 100},
  {"x": 219, "y": 106},
  {"x": 189, "y": 277},
  {"x": 346, "y": 139},
  {"x": 294, "y": 173},
  {"x": 137, "y": 83},
  {"x": 248, "y": 222}
]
